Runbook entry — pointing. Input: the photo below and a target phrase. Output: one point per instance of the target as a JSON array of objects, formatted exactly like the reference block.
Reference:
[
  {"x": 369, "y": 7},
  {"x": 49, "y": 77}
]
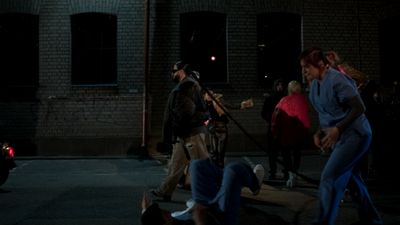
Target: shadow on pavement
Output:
[{"x": 254, "y": 216}]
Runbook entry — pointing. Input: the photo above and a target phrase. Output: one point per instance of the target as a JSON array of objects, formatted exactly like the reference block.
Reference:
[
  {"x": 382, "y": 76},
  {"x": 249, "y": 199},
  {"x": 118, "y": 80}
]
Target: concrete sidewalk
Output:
[
  {"x": 103, "y": 191},
  {"x": 276, "y": 204}
]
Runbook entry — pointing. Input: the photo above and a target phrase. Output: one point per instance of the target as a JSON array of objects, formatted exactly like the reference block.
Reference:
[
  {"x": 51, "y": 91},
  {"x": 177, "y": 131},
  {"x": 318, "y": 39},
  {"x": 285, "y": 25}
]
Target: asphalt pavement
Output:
[{"x": 77, "y": 191}]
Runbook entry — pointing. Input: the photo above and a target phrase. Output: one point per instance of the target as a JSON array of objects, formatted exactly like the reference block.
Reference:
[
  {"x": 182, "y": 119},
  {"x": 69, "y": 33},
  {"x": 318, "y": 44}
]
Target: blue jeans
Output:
[
  {"x": 342, "y": 168},
  {"x": 219, "y": 188}
]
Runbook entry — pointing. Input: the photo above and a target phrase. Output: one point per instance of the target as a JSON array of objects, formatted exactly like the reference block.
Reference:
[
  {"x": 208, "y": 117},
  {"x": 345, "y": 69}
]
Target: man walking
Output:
[{"x": 183, "y": 127}]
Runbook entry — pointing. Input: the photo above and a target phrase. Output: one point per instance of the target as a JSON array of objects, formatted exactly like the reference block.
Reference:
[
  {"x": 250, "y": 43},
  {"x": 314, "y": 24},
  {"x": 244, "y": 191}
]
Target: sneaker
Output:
[
  {"x": 291, "y": 182},
  {"x": 259, "y": 171},
  {"x": 185, "y": 214},
  {"x": 190, "y": 203},
  {"x": 158, "y": 196}
]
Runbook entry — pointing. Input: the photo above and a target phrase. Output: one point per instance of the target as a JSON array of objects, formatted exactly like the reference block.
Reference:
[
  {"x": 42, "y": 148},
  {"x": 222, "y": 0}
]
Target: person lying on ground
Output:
[{"x": 215, "y": 192}]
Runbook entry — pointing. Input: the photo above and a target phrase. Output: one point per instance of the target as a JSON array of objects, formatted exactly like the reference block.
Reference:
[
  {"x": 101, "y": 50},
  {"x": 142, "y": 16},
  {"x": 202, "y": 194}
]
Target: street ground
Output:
[{"x": 78, "y": 191}]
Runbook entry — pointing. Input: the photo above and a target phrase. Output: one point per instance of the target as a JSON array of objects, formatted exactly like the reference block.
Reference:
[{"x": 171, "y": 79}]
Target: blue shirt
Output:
[{"x": 328, "y": 97}]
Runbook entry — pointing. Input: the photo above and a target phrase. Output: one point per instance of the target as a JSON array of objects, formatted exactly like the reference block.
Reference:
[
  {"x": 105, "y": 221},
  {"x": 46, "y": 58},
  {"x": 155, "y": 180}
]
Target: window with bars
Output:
[
  {"x": 19, "y": 57},
  {"x": 203, "y": 44},
  {"x": 94, "y": 49},
  {"x": 279, "y": 46}
]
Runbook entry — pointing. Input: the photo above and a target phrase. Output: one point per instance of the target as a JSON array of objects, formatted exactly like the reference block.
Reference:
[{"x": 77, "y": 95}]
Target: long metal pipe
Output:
[{"x": 145, "y": 75}]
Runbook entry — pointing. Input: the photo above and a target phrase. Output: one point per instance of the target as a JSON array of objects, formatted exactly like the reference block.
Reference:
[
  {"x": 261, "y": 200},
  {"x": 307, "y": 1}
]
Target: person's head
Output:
[
  {"x": 313, "y": 63},
  {"x": 294, "y": 87},
  {"x": 279, "y": 85},
  {"x": 179, "y": 71},
  {"x": 154, "y": 215}
]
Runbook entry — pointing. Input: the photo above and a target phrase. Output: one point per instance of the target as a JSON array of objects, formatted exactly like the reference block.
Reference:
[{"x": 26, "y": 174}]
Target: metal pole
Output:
[
  {"x": 308, "y": 179},
  {"x": 145, "y": 77}
]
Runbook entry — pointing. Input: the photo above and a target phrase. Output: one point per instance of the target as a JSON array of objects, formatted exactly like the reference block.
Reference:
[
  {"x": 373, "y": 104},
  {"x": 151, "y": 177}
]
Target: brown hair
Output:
[
  {"x": 333, "y": 58},
  {"x": 314, "y": 56}
]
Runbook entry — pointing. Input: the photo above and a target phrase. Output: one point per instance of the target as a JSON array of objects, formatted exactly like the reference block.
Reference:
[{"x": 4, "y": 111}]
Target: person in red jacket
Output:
[{"x": 290, "y": 124}]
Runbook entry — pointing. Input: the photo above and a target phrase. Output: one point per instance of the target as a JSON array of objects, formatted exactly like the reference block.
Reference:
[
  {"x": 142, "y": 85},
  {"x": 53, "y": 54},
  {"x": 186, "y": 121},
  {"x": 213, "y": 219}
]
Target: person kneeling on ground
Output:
[{"x": 215, "y": 191}]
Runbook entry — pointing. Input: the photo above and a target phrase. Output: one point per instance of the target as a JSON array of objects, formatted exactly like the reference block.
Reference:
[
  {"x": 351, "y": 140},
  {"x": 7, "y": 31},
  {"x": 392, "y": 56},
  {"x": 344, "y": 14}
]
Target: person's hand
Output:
[
  {"x": 317, "y": 139},
  {"x": 247, "y": 104},
  {"x": 330, "y": 138},
  {"x": 146, "y": 201}
]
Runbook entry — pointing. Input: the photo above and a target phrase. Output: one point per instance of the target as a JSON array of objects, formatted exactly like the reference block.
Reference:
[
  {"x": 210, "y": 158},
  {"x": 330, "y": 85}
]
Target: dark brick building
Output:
[{"x": 83, "y": 96}]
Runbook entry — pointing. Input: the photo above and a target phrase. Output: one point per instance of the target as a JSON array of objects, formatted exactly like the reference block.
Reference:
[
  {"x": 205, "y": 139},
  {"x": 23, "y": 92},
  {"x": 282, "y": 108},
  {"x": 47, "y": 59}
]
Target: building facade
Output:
[{"x": 122, "y": 113}]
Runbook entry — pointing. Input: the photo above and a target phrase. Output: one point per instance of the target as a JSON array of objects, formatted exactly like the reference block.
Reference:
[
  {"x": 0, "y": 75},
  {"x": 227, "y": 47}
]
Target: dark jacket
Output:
[
  {"x": 185, "y": 111},
  {"x": 271, "y": 100}
]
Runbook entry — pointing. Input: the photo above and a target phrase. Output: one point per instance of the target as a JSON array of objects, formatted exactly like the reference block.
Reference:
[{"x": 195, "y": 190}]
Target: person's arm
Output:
[
  {"x": 247, "y": 104},
  {"x": 332, "y": 134},
  {"x": 266, "y": 110},
  {"x": 183, "y": 108},
  {"x": 356, "y": 109},
  {"x": 227, "y": 105},
  {"x": 146, "y": 201},
  {"x": 275, "y": 122},
  {"x": 319, "y": 134}
]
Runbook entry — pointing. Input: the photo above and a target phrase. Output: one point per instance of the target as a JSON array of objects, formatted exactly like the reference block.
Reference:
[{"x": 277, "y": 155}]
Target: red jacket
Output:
[{"x": 290, "y": 120}]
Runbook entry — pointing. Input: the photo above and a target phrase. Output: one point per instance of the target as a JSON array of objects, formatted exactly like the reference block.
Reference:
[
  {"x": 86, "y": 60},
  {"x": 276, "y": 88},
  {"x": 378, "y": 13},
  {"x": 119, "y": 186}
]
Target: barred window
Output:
[
  {"x": 94, "y": 49},
  {"x": 19, "y": 57},
  {"x": 203, "y": 44},
  {"x": 389, "y": 49},
  {"x": 279, "y": 46}
]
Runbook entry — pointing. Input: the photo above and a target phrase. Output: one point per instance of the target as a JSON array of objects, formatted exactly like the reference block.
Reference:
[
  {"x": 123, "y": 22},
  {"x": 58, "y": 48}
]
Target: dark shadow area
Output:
[
  {"x": 250, "y": 215},
  {"x": 3, "y": 191}
]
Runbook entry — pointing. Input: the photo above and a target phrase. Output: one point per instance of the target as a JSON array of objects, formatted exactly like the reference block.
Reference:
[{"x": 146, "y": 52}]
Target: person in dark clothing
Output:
[
  {"x": 375, "y": 112},
  {"x": 183, "y": 127},
  {"x": 290, "y": 124},
  {"x": 218, "y": 124},
  {"x": 271, "y": 100}
]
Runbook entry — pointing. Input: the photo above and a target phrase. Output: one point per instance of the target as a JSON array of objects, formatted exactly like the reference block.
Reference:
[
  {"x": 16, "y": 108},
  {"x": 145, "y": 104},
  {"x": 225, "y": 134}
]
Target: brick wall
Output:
[
  {"x": 68, "y": 120},
  {"x": 73, "y": 120}
]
